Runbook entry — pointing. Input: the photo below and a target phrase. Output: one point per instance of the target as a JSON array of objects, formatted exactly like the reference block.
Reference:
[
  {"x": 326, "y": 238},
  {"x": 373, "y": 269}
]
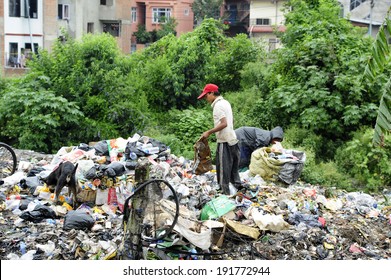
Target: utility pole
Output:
[
  {"x": 370, "y": 17},
  {"x": 27, "y": 9}
]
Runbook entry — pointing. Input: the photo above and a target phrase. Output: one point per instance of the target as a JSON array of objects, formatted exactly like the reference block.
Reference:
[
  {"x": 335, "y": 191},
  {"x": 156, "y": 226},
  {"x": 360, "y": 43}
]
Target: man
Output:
[
  {"x": 252, "y": 138},
  {"x": 227, "y": 154}
]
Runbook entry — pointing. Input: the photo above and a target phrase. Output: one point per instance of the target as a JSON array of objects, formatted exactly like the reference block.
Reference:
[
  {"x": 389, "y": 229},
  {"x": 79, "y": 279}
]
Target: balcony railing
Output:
[
  {"x": 13, "y": 60},
  {"x": 236, "y": 17}
]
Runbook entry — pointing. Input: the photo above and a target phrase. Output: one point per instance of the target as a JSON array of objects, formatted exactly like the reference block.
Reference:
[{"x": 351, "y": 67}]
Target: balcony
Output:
[{"x": 236, "y": 13}]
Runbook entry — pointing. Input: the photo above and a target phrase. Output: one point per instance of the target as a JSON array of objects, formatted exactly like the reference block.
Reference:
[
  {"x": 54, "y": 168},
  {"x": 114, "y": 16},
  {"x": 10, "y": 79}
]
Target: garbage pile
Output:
[{"x": 265, "y": 220}]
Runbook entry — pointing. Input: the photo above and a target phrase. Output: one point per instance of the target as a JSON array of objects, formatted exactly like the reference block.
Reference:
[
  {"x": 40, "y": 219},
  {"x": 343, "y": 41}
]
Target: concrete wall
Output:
[
  {"x": 271, "y": 10},
  {"x": 362, "y": 12},
  {"x": 20, "y": 30},
  {"x": 50, "y": 32},
  {"x": 267, "y": 9},
  {"x": 46, "y": 29}
]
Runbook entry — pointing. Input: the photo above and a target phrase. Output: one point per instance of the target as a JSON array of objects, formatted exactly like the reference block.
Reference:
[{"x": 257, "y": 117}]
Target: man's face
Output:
[{"x": 209, "y": 97}]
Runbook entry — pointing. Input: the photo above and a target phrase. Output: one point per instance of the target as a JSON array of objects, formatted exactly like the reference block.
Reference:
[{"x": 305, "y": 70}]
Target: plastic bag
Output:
[
  {"x": 101, "y": 148},
  {"x": 217, "y": 207},
  {"x": 202, "y": 157},
  {"x": 39, "y": 213},
  {"x": 78, "y": 219},
  {"x": 291, "y": 170}
]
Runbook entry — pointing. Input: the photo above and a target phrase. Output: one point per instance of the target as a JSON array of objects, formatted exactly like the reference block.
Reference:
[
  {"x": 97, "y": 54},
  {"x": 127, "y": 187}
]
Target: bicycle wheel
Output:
[
  {"x": 144, "y": 220},
  {"x": 8, "y": 160}
]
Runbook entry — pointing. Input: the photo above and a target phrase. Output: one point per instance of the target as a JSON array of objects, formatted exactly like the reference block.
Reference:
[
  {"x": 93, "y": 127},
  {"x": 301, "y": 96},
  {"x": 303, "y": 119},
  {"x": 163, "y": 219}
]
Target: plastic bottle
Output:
[
  {"x": 22, "y": 246},
  {"x": 113, "y": 155},
  {"x": 152, "y": 150},
  {"x": 132, "y": 156},
  {"x": 193, "y": 257}
]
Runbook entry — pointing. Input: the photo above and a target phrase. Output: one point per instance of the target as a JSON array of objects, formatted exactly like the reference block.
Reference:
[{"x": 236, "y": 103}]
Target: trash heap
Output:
[{"x": 266, "y": 220}]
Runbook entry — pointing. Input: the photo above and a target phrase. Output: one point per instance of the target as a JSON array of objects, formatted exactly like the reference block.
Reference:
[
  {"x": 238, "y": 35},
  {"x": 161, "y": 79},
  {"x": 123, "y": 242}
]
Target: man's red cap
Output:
[{"x": 208, "y": 88}]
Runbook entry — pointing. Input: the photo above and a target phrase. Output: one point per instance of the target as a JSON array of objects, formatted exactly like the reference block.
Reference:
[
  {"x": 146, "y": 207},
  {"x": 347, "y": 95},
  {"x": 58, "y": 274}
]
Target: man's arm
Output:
[{"x": 220, "y": 126}]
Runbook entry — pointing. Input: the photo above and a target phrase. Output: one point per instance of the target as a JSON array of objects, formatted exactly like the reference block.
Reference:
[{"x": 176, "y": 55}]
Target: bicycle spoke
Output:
[{"x": 7, "y": 161}]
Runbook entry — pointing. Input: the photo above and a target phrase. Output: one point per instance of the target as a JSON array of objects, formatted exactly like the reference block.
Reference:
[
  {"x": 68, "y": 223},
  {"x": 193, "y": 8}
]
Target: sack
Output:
[
  {"x": 263, "y": 165},
  {"x": 291, "y": 170},
  {"x": 287, "y": 170},
  {"x": 202, "y": 157}
]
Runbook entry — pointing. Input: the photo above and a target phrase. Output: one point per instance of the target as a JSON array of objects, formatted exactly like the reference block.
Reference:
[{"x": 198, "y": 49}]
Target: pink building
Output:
[{"x": 152, "y": 13}]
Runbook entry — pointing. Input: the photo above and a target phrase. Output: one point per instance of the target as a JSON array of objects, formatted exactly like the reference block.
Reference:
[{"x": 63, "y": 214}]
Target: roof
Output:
[{"x": 265, "y": 28}]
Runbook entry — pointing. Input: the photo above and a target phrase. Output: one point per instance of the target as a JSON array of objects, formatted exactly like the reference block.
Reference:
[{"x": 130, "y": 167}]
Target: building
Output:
[
  {"x": 121, "y": 18},
  {"x": 78, "y": 17},
  {"x": 267, "y": 17},
  {"x": 22, "y": 31},
  {"x": 151, "y": 15},
  {"x": 28, "y": 25},
  {"x": 365, "y": 13},
  {"x": 236, "y": 14},
  {"x": 259, "y": 19}
]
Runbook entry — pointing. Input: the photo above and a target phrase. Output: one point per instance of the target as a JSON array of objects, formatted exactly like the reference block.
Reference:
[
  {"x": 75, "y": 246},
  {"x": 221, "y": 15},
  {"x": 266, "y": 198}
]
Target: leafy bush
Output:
[
  {"x": 313, "y": 81},
  {"x": 38, "y": 120},
  {"x": 243, "y": 109},
  {"x": 301, "y": 137},
  {"x": 184, "y": 128},
  {"x": 326, "y": 174},
  {"x": 173, "y": 71},
  {"x": 369, "y": 165},
  {"x": 142, "y": 35},
  {"x": 189, "y": 124}
]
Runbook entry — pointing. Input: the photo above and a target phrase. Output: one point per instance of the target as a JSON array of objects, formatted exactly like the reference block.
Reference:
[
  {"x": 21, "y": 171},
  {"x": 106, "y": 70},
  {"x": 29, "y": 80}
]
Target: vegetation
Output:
[
  {"x": 143, "y": 36},
  {"x": 313, "y": 87},
  {"x": 377, "y": 64},
  {"x": 206, "y": 9}
]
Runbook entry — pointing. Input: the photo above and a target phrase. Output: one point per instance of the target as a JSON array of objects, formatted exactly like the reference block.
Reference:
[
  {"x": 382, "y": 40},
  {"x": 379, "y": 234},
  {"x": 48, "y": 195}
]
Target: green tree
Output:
[
  {"x": 142, "y": 35},
  {"x": 92, "y": 72},
  {"x": 377, "y": 63},
  {"x": 315, "y": 80},
  {"x": 38, "y": 120},
  {"x": 206, "y": 9},
  {"x": 168, "y": 27},
  {"x": 172, "y": 71}
]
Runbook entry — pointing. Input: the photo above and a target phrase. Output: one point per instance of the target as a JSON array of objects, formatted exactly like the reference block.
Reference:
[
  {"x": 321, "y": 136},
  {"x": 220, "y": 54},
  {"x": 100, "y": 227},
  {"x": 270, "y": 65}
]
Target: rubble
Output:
[{"x": 266, "y": 220}]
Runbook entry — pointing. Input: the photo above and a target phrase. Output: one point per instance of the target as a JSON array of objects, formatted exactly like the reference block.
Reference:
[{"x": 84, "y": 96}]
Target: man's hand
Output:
[
  {"x": 206, "y": 134},
  {"x": 220, "y": 126}
]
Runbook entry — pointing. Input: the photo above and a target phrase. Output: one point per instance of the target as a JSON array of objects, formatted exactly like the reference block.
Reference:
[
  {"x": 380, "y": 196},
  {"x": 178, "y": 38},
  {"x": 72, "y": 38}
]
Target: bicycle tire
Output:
[
  {"x": 176, "y": 201},
  {"x": 8, "y": 160}
]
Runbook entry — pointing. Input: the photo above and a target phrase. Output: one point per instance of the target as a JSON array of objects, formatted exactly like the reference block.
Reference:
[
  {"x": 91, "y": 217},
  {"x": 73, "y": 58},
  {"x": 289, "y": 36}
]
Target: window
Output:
[
  {"x": 31, "y": 9},
  {"x": 133, "y": 48},
  {"x": 90, "y": 27},
  {"x": 245, "y": 6},
  {"x": 355, "y": 3},
  {"x": 13, "y": 55},
  {"x": 160, "y": 15},
  {"x": 263, "y": 21},
  {"x": 112, "y": 28},
  {"x": 106, "y": 2},
  {"x": 63, "y": 11},
  {"x": 14, "y": 8},
  {"x": 273, "y": 42},
  {"x": 134, "y": 14},
  {"x": 187, "y": 12},
  {"x": 28, "y": 50}
]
